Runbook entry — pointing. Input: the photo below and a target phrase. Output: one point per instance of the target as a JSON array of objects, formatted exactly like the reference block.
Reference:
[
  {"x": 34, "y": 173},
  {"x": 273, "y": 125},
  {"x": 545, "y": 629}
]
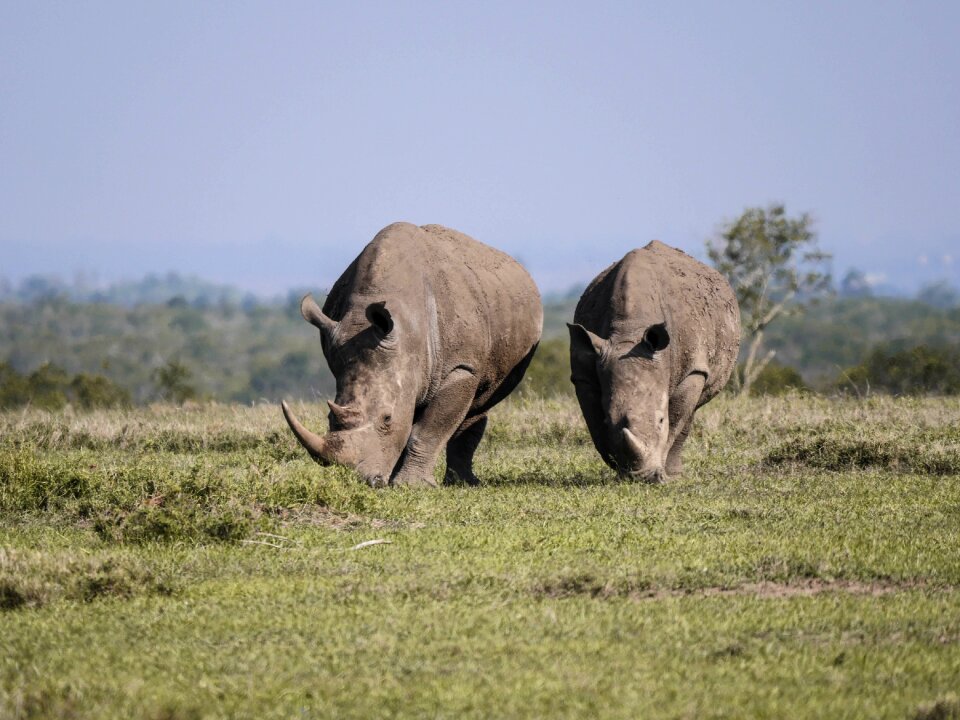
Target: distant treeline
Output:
[
  {"x": 242, "y": 350},
  {"x": 157, "y": 289}
]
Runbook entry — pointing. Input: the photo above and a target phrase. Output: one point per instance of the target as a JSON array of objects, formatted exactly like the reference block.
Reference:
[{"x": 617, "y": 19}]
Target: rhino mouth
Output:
[
  {"x": 636, "y": 456},
  {"x": 377, "y": 481},
  {"x": 651, "y": 477},
  {"x": 327, "y": 449},
  {"x": 339, "y": 446}
]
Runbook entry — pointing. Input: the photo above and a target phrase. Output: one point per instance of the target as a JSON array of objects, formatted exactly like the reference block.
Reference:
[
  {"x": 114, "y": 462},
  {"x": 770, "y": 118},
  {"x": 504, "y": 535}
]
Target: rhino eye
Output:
[{"x": 387, "y": 419}]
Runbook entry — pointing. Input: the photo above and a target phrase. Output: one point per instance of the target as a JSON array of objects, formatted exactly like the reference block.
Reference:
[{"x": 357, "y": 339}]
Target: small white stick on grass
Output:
[
  {"x": 277, "y": 537},
  {"x": 368, "y": 543},
  {"x": 263, "y": 542}
]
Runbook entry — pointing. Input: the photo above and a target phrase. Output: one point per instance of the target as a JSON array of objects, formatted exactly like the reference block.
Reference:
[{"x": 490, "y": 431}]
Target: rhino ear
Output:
[
  {"x": 380, "y": 317},
  {"x": 656, "y": 338},
  {"x": 584, "y": 342}
]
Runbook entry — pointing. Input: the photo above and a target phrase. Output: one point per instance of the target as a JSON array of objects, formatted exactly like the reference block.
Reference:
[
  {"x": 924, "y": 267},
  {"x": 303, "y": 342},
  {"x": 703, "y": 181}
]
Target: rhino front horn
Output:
[{"x": 313, "y": 443}]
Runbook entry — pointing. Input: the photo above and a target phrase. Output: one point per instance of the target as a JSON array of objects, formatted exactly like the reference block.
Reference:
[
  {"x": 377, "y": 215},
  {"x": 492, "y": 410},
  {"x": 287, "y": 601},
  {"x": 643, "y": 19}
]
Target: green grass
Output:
[{"x": 191, "y": 563}]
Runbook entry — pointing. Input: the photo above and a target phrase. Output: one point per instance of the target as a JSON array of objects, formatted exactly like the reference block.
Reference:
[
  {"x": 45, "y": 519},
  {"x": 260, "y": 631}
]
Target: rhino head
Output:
[
  {"x": 372, "y": 416},
  {"x": 622, "y": 384}
]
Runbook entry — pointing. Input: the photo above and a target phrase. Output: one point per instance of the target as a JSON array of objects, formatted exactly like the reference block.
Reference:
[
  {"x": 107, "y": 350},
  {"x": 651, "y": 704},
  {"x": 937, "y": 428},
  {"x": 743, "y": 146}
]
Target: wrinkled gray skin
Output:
[
  {"x": 655, "y": 336},
  {"x": 425, "y": 332}
]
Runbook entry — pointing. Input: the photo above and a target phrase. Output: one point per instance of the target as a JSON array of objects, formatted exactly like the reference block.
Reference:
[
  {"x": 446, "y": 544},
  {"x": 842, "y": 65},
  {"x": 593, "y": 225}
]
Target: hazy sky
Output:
[{"x": 265, "y": 143}]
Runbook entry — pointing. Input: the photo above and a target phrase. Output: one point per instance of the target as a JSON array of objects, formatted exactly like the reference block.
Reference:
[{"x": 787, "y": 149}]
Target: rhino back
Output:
[
  {"x": 659, "y": 283},
  {"x": 489, "y": 311},
  {"x": 480, "y": 306}
]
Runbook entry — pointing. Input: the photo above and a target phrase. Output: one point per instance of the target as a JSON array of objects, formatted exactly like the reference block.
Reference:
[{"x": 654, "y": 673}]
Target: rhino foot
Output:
[
  {"x": 674, "y": 465},
  {"x": 411, "y": 479},
  {"x": 452, "y": 477}
]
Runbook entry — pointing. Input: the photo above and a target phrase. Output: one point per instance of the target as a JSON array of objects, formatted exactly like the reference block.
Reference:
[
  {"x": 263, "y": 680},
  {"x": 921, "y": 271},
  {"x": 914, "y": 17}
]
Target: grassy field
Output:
[{"x": 192, "y": 563}]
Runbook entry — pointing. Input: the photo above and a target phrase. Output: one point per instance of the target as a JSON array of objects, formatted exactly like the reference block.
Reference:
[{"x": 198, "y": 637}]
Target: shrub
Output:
[
  {"x": 549, "y": 372},
  {"x": 13, "y": 387},
  {"x": 920, "y": 370},
  {"x": 777, "y": 379},
  {"x": 50, "y": 388},
  {"x": 47, "y": 387},
  {"x": 95, "y": 391},
  {"x": 173, "y": 382}
]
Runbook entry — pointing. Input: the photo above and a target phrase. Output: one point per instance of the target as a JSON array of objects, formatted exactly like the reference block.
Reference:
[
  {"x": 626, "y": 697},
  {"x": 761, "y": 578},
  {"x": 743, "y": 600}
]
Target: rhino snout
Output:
[
  {"x": 377, "y": 481},
  {"x": 640, "y": 462},
  {"x": 654, "y": 476}
]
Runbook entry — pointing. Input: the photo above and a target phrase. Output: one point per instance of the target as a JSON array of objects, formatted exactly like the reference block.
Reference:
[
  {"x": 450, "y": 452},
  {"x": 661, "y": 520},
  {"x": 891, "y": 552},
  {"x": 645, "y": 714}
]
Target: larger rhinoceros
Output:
[
  {"x": 425, "y": 332},
  {"x": 656, "y": 336}
]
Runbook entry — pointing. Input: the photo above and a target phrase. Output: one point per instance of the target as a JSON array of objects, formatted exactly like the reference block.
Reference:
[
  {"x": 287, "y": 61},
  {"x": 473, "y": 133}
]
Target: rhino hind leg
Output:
[
  {"x": 511, "y": 381},
  {"x": 683, "y": 404},
  {"x": 442, "y": 416},
  {"x": 460, "y": 451}
]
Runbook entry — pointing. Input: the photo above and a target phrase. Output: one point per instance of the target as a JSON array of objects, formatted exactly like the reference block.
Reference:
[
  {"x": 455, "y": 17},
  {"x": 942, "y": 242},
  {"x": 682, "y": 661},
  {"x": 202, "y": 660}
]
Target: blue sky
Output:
[{"x": 263, "y": 144}]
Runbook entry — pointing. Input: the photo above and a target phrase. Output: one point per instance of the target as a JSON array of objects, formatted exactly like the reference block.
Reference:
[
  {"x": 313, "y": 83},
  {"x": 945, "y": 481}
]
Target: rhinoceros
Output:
[
  {"x": 655, "y": 336},
  {"x": 425, "y": 331}
]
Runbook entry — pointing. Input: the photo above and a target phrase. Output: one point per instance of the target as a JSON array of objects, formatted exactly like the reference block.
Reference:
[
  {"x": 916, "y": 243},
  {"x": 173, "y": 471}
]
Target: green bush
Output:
[
  {"x": 13, "y": 388},
  {"x": 915, "y": 371},
  {"x": 95, "y": 391},
  {"x": 777, "y": 379},
  {"x": 47, "y": 386},
  {"x": 173, "y": 382},
  {"x": 549, "y": 372},
  {"x": 50, "y": 388}
]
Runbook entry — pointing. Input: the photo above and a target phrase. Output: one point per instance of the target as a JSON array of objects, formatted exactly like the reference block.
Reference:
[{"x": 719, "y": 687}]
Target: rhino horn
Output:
[
  {"x": 314, "y": 315},
  {"x": 631, "y": 441},
  {"x": 314, "y": 444},
  {"x": 343, "y": 414}
]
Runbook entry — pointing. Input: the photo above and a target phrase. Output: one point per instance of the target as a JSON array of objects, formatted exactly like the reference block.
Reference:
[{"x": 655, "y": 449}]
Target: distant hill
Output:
[{"x": 152, "y": 290}]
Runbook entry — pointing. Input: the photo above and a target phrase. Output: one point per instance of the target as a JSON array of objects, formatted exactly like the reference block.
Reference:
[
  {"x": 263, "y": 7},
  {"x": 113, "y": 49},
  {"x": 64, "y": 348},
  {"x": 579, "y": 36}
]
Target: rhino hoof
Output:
[
  {"x": 674, "y": 468},
  {"x": 414, "y": 481},
  {"x": 451, "y": 477}
]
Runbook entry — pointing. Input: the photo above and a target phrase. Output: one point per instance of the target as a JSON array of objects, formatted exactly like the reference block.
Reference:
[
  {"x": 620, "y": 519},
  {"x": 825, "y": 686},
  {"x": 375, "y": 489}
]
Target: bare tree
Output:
[{"x": 775, "y": 267}]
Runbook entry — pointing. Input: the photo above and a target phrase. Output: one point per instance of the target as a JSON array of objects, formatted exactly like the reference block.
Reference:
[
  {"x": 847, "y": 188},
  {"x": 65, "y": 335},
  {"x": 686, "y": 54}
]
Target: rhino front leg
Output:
[
  {"x": 442, "y": 416},
  {"x": 460, "y": 451},
  {"x": 683, "y": 403}
]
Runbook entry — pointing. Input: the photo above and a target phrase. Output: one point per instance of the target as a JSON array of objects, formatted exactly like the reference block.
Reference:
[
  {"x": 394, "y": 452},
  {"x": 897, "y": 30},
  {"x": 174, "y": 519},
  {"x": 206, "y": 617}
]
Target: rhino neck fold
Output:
[{"x": 434, "y": 362}]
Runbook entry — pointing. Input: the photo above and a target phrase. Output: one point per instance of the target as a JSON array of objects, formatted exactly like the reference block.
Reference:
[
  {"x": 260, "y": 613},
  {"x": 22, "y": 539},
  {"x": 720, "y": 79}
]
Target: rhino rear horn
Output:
[
  {"x": 344, "y": 415},
  {"x": 314, "y": 315}
]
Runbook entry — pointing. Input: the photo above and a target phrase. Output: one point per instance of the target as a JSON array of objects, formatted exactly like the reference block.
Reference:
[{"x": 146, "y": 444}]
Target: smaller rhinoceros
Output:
[
  {"x": 656, "y": 336},
  {"x": 424, "y": 332}
]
